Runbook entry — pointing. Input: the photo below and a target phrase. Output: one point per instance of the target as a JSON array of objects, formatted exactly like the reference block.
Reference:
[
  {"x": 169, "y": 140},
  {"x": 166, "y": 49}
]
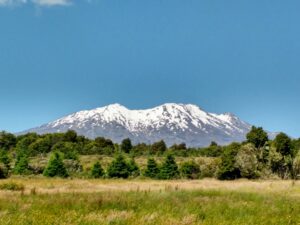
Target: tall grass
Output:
[{"x": 173, "y": 204}]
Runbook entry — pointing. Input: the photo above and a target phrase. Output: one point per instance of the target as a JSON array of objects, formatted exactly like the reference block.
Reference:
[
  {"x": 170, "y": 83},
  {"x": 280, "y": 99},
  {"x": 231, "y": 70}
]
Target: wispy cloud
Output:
[
  {"x": 51, "y": 2},
  {"x": 47, "y": 3},
  {"x": 12, "y": 2}
]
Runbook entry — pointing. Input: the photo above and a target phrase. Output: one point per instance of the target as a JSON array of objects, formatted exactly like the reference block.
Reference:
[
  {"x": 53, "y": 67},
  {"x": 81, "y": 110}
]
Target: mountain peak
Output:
[{"x": 173, "y": 122}]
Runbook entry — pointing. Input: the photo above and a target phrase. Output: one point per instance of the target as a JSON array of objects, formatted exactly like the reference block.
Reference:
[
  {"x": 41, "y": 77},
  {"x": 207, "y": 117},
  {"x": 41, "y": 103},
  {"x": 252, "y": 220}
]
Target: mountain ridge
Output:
[{"x": 172, "y": 122}]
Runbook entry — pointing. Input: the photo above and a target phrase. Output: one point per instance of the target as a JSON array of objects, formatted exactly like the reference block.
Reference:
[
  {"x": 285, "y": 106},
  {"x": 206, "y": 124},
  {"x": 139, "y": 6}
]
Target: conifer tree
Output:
[
  {"x": 55, "y": 167},
  {"x": 152, "y": 170},
  {"x": 133, "y": 168},
  {"x": 22, "y": 166},
  {"x": 118, "y": 168},
  {"x": 97, "y": 170},
  {"x": 169, "y": 168}
]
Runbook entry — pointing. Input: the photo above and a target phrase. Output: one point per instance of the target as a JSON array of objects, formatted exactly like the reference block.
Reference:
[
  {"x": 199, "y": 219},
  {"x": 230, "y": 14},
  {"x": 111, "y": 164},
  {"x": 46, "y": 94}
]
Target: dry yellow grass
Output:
[{"x": 57, "y": 185}]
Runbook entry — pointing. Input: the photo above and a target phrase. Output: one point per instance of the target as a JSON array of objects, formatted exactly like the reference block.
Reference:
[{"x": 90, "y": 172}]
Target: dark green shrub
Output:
[
  {"x": 152, "y": 170},
  {"x": 133, "y": 168},
  {"x": 97, "y": 171},
  {"x": 22, "y": 166},
  {"x": 228, "y": 169},
  {"x": 190, "y": 170},
  {"x": 118, "y": 168},
  {"x": 55, "y": 167},
  {"x": 169, "y": 169}
]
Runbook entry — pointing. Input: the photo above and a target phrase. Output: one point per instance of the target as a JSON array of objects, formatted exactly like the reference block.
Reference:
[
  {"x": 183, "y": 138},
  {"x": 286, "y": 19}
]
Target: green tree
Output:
[
  {"x": 4, "y": 164},
  {"x": 133, "y": 168},
  {"x": 4, "y": 159},
  {"x": 70, "y": 136},
  {"x": 247, "y": 162},
  {"x": 140, "y": 149},
  {"x": 104, "y": 143},
  {"x": 118, "y": 168},
  {"x": 181, "y": 146},
  {"x": 227, "y": 169},
  {"x": 126, "y": 145},
  {"x": 55, "y": 167},
  {"x": 7, "y": 140},
  {"x": 213, "y": 144},
  {"x": 159, "y": 147},
  {"x": 190, "y": 170},
  {"x": 97, "y": 171},
  {"x": 152, "y": 170},
  {"x": 24, "y": 142},
  {"x": 280, "y": 164},
  {"x": 257, "y": 136},
  {"x": 169, "y": 169},
  {"x": 22, "y": 165},
  {"x": 40, "y": 146},
  {"x": 69, "y": 149},
  {"x": 283, "y": 144}
]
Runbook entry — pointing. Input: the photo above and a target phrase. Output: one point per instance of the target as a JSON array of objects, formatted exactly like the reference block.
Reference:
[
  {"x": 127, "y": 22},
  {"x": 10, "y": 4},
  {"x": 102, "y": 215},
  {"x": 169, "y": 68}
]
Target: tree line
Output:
[{"x": 254, "y": 158}]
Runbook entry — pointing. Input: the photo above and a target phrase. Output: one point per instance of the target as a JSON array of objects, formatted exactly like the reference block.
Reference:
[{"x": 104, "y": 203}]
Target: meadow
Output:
[{"x": 38, "y": 200}]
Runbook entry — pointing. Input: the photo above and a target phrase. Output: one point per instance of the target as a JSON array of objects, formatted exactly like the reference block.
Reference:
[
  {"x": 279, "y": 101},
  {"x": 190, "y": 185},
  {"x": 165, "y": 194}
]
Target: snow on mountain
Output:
[{"x": 174, "y": 123}]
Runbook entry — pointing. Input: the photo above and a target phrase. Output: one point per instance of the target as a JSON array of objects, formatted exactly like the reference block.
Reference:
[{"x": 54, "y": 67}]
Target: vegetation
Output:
[
  {"x": 55, "y": 167},
  {"x": 97, "y": 171},
  {"x": 257, "y": 157},
  {"x": 12, "y": 186},
  {"x": 190, "y": 170},
  {"x": 169, "y": 169},
  {"x": 119, "y": 168},
  {"x": 152, "y": 170},
  {"x": 207, "y": 202}
]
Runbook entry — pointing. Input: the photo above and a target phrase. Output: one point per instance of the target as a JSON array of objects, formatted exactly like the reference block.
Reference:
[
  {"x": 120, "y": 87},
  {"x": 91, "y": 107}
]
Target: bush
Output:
[
  {"x": 97, "y": 171},
  {"x": 118, "y": 168},
  {"x": 152, "y": 170},
  {"x": 73, "y": 167},
  {"x": 12, "y": 186},
  {"x": 209, "y": 166},
  {"x": 190, "y": 170},
  {"x": 55, "y": 167},
  {"x": 169, "y": 169}
]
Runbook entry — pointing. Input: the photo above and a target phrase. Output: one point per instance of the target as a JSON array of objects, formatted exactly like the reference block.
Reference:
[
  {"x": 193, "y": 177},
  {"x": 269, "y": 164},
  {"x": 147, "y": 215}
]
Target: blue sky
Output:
[{"x": 59, "y": 56}]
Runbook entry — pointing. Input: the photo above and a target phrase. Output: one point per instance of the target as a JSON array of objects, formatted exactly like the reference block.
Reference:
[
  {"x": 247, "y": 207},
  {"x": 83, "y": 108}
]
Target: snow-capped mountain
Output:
[{"x": 174, "y": 123}]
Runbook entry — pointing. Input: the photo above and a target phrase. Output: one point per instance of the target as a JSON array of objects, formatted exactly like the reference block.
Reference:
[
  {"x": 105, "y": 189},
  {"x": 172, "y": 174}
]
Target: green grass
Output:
[{"x": 170, "y": 205}]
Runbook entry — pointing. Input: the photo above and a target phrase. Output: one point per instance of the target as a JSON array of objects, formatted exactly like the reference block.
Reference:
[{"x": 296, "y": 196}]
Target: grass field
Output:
[{"x": 57, "y": 201}]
